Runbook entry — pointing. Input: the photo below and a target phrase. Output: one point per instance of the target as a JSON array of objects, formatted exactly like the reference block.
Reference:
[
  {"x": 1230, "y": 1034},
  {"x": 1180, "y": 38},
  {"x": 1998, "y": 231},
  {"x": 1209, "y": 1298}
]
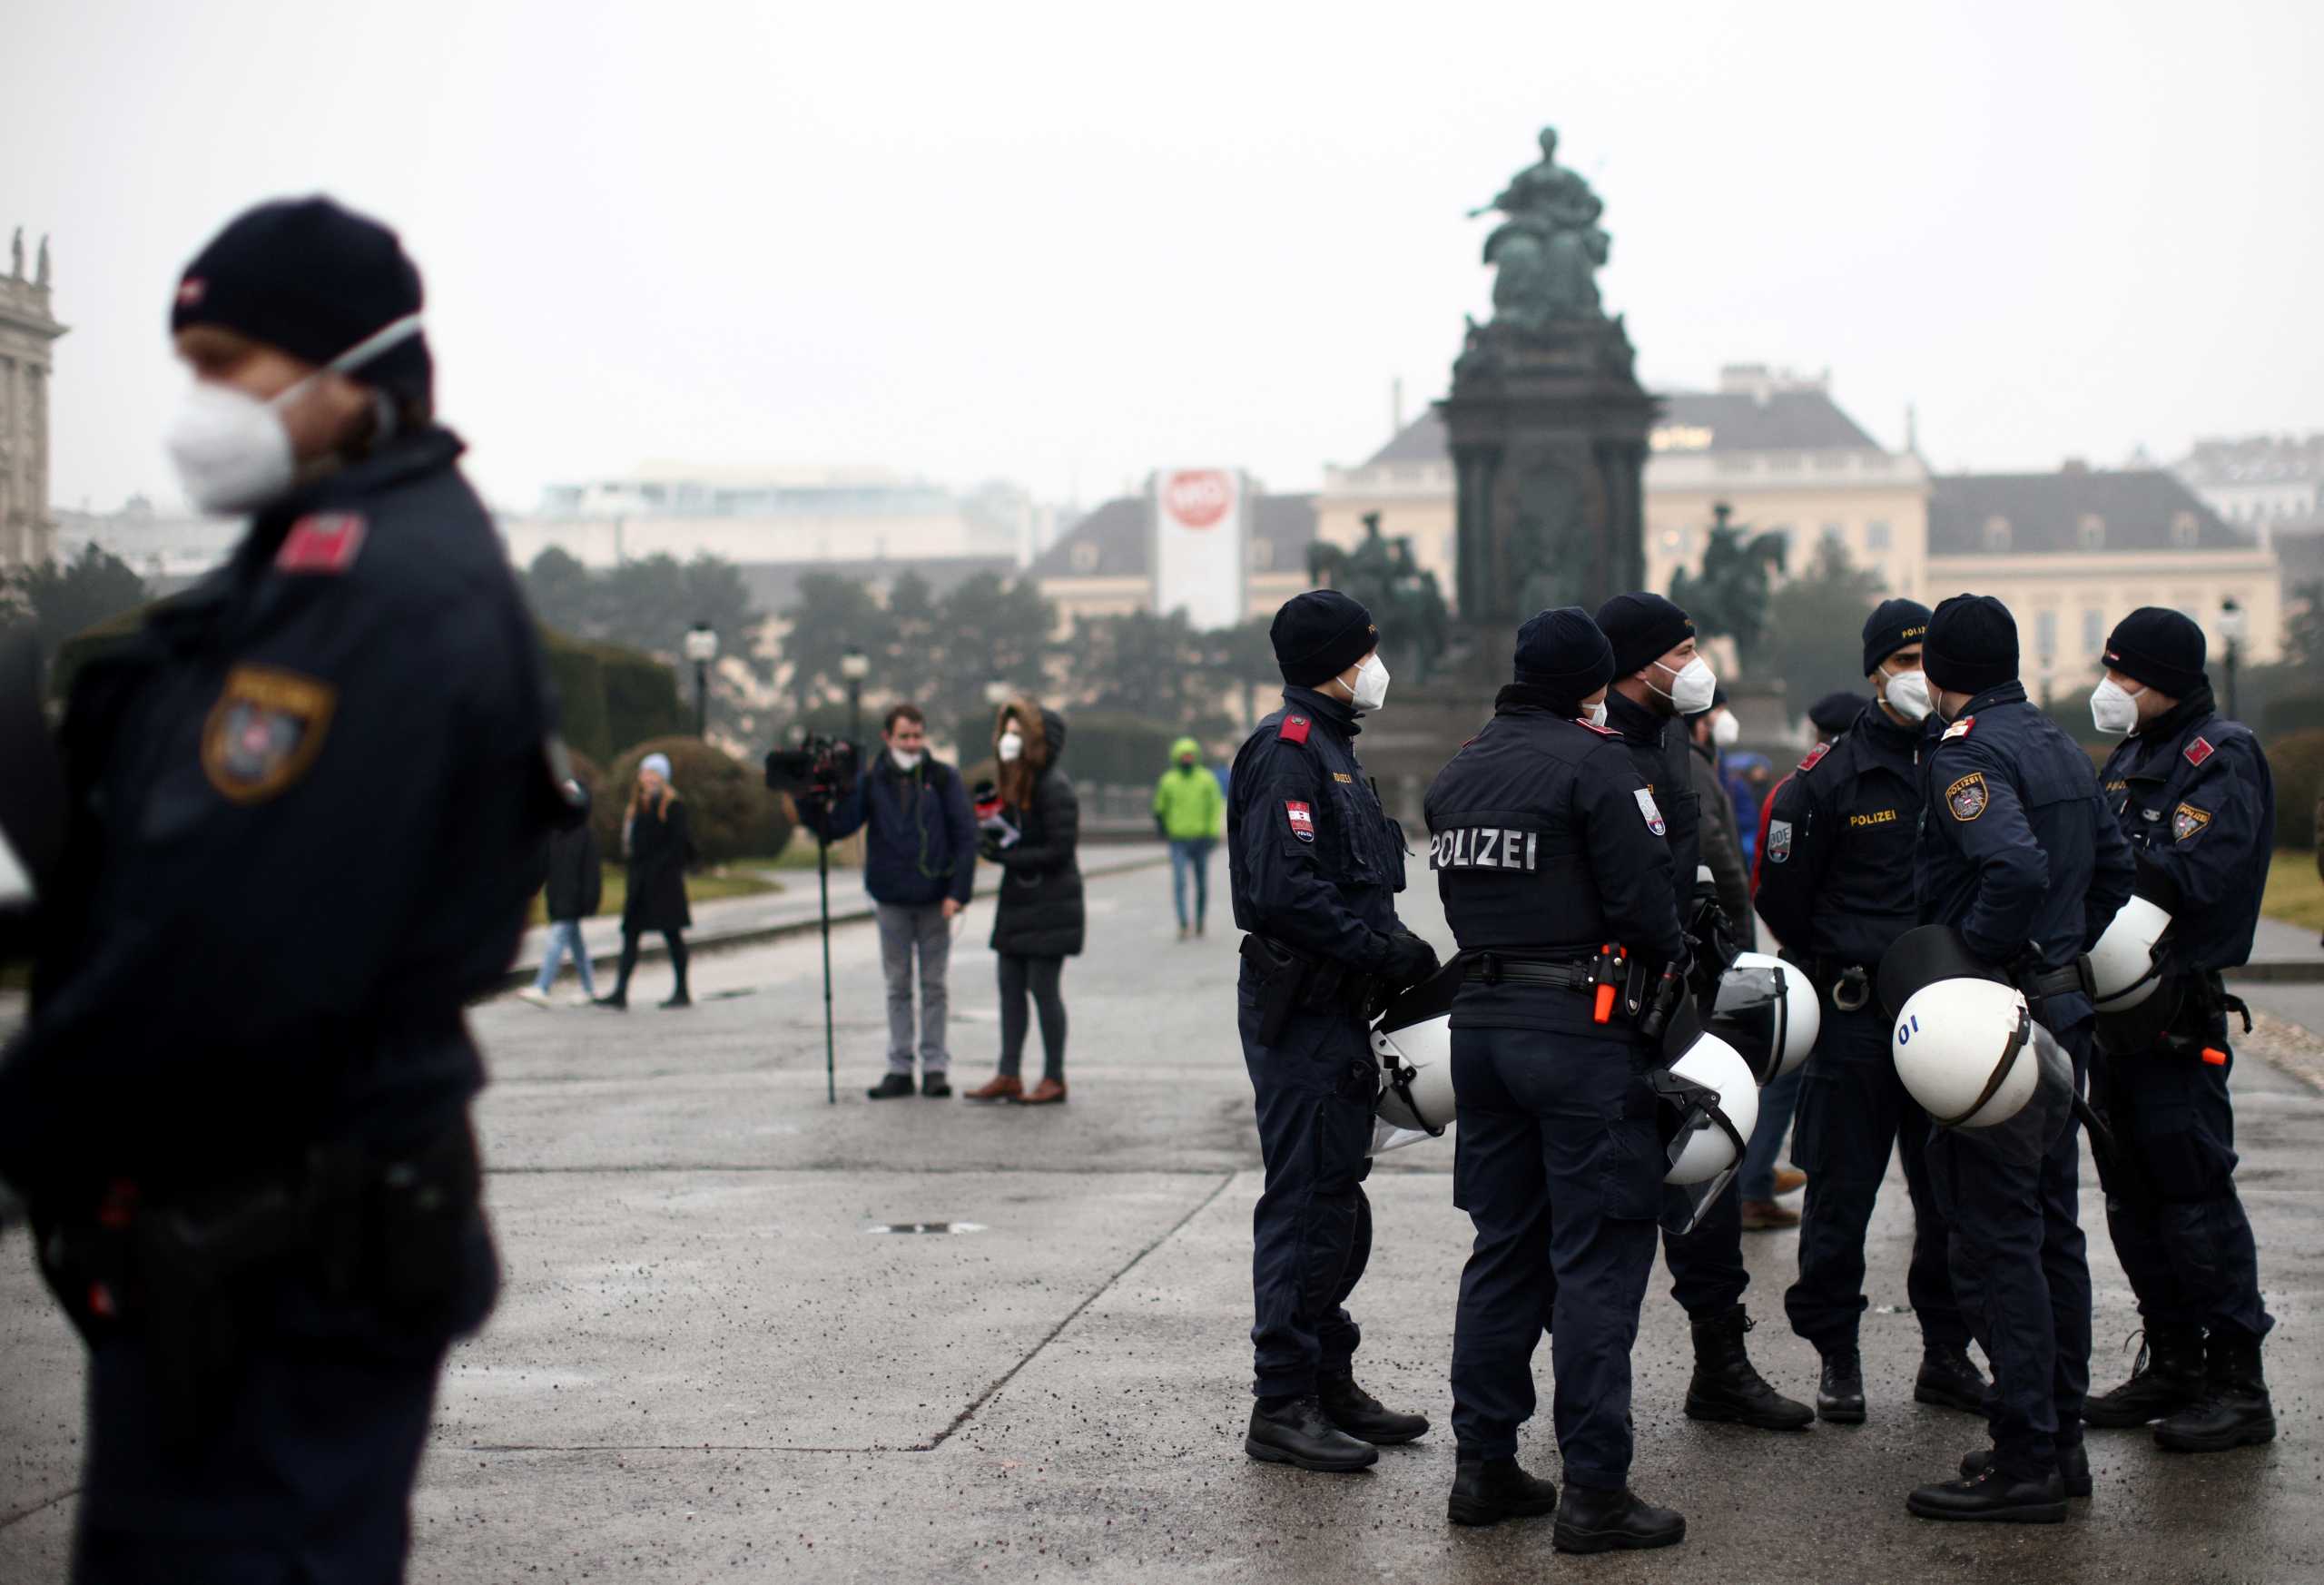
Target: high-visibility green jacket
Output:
[{"x": 1187, "y": 800}]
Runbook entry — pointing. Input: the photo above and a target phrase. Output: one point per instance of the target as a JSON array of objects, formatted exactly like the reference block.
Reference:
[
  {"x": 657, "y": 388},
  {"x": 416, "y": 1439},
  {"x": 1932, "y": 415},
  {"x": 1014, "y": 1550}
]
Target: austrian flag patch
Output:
[
  {"x": 321, "y": 542},
  {"x": 1301, "y": 819}
]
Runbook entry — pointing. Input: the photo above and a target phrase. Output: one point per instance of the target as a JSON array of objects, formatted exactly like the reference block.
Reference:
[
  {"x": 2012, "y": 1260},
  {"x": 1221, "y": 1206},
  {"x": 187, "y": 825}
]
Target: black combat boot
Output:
[
  {"x": 1993, "y": 1497},
  {"x": 2167, "y": 1377},
  {"x": 889, "y": 1086},
  {"x": 1364, "y": 1416},
  {"x": 1839, "y": 1395},
  {"x": 1725, "y": 1387},
  {"x": 1298, "y": 1432},
  {"x": 1595, "y": 1519},
  {"x": 2235, "y": 1410},
  {"x": 1488, "y": 1490},
  {"x": 1950, "y": 1379},
  {"x": 2074, "y": 1468}
]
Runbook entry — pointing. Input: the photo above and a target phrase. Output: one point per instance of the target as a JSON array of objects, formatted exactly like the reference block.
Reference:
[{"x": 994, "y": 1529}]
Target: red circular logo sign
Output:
[{"x": 1200, "y": 497}]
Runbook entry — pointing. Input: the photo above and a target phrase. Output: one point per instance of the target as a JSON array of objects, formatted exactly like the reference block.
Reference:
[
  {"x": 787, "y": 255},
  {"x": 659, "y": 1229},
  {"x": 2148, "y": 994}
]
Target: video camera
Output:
[{"x": 820, "y": 767}]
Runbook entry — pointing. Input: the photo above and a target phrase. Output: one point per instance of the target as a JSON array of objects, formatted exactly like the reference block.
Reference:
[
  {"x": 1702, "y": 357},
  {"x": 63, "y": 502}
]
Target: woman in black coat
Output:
[
  {"x": 1040, "y": 921},
  {"x": 654, "y": 834}
]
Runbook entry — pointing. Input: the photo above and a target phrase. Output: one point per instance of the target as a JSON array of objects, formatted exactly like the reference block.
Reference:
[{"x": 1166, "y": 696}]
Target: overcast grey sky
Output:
[{"x": 1065, "y": 243}]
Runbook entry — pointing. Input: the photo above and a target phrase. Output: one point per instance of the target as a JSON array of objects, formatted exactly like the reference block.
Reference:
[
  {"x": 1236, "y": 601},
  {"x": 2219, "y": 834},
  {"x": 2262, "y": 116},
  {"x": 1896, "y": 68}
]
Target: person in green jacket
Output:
[{"x": 1190, "y": 813}]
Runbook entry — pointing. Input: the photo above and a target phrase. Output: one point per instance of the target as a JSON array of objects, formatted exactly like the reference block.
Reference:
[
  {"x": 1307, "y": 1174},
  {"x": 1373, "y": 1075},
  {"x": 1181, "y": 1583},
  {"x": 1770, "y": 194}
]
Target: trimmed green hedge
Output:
[
  {"x": 579, "y": 678},
  {"x": 2297, "y": 763},
  {"x": 733, "y": 814}
]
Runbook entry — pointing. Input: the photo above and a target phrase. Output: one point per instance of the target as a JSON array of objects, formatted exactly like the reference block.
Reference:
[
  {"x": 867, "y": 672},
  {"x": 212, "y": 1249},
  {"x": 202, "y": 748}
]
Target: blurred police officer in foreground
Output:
[
  {"x": 1548, "y": 846},
  {"x": 2020, "y": 855},
  {"x": 1315, "y": 865},
  {"x": 1659, "y": 677},
  {"x": 2193, "y": 795},
  {"x": 308, "y": 803},
  {"x": 1835, "y": 886}
]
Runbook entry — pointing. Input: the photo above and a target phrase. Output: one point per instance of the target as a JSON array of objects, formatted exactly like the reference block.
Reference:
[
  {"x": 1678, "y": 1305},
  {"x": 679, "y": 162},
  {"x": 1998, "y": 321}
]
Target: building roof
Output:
[
  {"x": 2253, "y": 460},
  {"x": 2046, "y": 512},
  {"x": 1120, "y": 532},
  {"x": 774, "y": 585},
  {"x": 1795, "y": 420}
]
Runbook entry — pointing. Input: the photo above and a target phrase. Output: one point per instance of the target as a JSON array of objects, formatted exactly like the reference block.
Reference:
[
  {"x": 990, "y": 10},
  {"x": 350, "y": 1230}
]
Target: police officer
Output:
[
  {"x": 1659, "y": 677},
  {"x": 2193, "y": 794},
  {"x": 1835, "y": 887},
  {"x": 2020, "y": 855},
  {"x": 1316, "y": 864},
  {"x": 1546, "y": 846},
  {"x": 307, "y": 805}
]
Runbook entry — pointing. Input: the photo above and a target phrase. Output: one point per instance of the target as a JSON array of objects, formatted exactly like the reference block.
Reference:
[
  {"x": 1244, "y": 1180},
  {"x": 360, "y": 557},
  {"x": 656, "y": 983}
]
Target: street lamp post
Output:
[
  {"x": 702, "y": 648},
  {"x": 2231, "y": 621},
  {"x": 855, "y": 665}
]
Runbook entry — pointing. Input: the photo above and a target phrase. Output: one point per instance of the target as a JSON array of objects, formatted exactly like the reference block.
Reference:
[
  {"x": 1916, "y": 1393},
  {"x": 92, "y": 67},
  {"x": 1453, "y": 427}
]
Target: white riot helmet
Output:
[
  {"x": 1711, "y": 1105},
  {"x": 1767, "y": 1010},
  {"x": 1413, "y": 1042},
  {"x": 1965, "y": 1045},
  {"x": 2125, "y": 966}
]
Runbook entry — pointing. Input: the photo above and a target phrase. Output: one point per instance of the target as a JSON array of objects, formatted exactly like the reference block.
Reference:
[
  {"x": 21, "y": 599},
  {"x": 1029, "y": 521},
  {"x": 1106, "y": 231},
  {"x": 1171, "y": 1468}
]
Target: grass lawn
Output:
[
  {"x": 736, "y": 879},
  {"x": 2295, "y": 891}
]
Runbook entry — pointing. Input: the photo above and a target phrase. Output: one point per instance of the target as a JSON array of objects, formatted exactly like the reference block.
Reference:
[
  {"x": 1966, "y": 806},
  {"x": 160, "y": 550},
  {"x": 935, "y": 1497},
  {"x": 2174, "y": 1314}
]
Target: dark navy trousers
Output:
[
  {"x": 2021, "y": 1270},
  {"x": 1706, "y": 1273},
  {"x": 1558, "y": 1164},
  {"x": 1311, "y": 1236},
  {"x": 1853, "y": 1110},
  {"x": 2178, "y": 1227}
]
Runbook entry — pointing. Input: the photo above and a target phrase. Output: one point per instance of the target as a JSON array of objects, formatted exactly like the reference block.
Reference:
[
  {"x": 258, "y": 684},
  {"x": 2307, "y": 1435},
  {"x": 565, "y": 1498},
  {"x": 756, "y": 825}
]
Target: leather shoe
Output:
[
  {"x": 2074, "y": 1468},
  {"x": 1001, "y": 1086},
  {"x": 1362, "y": 1415},
  {"x": 1300, "y": 1435},
  {"x": 1488, "y": 1490},
  {"x": 935, "y": 1086},
  {"x": 1767, "y": 1217},
  {"x": 1839, "y": 1395},
  {"x": 1593, "y": 1518},
  {"x": 1950, "y": 1379},
  {"x": 1789, "y": 1178},
  {"x": 1049, "y": 1092},
  {"x": 890, "y": 1086},
  {"x": 1992, "y": 1497}
]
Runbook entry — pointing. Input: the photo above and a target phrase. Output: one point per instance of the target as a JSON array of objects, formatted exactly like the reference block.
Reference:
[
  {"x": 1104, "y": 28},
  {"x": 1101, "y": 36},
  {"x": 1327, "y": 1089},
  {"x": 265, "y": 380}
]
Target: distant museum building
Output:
[{"x": 27, "y": 330}]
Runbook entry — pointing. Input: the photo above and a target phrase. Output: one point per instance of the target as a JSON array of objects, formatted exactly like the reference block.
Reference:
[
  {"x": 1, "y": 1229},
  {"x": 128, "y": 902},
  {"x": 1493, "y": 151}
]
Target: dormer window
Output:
[
  {"x": 2093, "y": 531},
  {"x": 2186, "y": 530},
  {"x": 1997, "y": 534}
]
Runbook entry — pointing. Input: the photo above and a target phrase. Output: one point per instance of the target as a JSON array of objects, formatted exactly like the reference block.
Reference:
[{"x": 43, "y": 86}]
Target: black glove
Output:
[
  {"x": 1161, "y": 830},
  {"x": 1410, "y": 959}
]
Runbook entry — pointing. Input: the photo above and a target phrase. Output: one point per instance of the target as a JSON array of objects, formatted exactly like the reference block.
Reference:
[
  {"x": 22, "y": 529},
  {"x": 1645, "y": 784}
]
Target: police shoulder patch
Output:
[
  {"x": 1653, "y": 810},
  {"x": 1958, "y": 729},
  {"x": 1294, "y": 729},
  {"x": 264, "y": 732},
  {"x": 1301, "y": 819},
  {"x": 2187, "y": 820},
  {"x": 1815, "y": 756},
  {"x": 1967, "y": 797},
  {"x": 1601, "y": 731},
  {"x": 1778, "y": 841},
  {"x": 321, "y": 542},
  {"x": 2198, "y": 752}
]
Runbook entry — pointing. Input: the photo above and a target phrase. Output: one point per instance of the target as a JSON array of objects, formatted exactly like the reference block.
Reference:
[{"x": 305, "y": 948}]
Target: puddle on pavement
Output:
[{"x": 927, "y": 1227}]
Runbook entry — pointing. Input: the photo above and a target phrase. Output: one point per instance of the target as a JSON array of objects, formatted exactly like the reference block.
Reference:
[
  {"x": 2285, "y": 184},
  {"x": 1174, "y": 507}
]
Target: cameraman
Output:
[{"x": 920, "y": 865}]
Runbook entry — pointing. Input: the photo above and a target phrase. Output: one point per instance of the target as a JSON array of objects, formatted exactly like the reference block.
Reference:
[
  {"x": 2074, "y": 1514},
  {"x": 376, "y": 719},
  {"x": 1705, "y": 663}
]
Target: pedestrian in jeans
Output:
[
  {"x": 1039, "y": 924},
  {"x": 577, "y": 885},
  {"x": 657, "y": 837},
  {"x": 1189, "y": 811},
  {"x": 920, "y": 866}
]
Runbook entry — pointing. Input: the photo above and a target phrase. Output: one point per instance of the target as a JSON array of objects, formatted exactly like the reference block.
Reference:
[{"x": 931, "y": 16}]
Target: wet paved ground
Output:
[{"x": 707, "y": 1365}]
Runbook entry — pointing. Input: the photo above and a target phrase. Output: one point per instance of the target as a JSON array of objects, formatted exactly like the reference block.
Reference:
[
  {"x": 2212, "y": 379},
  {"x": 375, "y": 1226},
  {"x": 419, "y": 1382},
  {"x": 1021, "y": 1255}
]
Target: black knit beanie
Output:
[
  {"x": 1319, "y": 634},
  {"x": 1971, "y": 645},
  {"x": 2160, "y": 648},
  {"x": 1564, "y": 655}
]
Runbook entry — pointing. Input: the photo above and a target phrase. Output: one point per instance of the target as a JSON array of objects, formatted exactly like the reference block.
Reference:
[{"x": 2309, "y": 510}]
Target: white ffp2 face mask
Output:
[
  {"x": 1596, "y": 714},
  {"x": 1726, "y": 731},
  {"x": 231, "y": 451},
  {"x": 1907, "y": 694},
  {"x": 1692, "y": 686},
  {"x": 1371, "y": 685},
  {"x": 1011, "y": 747},
  {"x": 906, "y": 759},
  {"x": 2113, "y": 710}
]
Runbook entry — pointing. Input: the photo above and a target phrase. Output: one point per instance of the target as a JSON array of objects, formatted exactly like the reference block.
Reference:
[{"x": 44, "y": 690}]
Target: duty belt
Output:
[
  {"x": 1848, "y": 985},
  {"x": 2040, "y": 984},
  {"x": 1493, "y": 969}
]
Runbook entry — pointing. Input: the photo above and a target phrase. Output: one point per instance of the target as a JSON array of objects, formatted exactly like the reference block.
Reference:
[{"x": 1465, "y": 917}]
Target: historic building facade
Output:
[{"x": 28, "y": 331}]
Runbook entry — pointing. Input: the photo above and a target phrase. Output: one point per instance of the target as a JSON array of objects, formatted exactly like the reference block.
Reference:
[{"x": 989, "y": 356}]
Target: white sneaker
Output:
[
  {"x": 580, "y": 998},
  {"x": 534, "y": 994}
]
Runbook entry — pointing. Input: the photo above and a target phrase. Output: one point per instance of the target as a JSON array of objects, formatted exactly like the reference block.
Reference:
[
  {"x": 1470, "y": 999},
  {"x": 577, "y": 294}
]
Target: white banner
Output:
[{"x": 1201, "y": 544}]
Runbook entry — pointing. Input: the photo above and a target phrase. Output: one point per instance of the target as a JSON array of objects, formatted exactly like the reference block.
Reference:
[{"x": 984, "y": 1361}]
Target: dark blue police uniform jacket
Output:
[
  {"x": 1314, "y": 865},
  {"x": 2192, "y": 791},
  {"x": 308, "y": 803}
]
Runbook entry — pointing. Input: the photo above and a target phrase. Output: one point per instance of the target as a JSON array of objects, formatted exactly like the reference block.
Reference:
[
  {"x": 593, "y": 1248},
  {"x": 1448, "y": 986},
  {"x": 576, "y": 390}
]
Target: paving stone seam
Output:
[{"x": 41, "y": 1507}]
